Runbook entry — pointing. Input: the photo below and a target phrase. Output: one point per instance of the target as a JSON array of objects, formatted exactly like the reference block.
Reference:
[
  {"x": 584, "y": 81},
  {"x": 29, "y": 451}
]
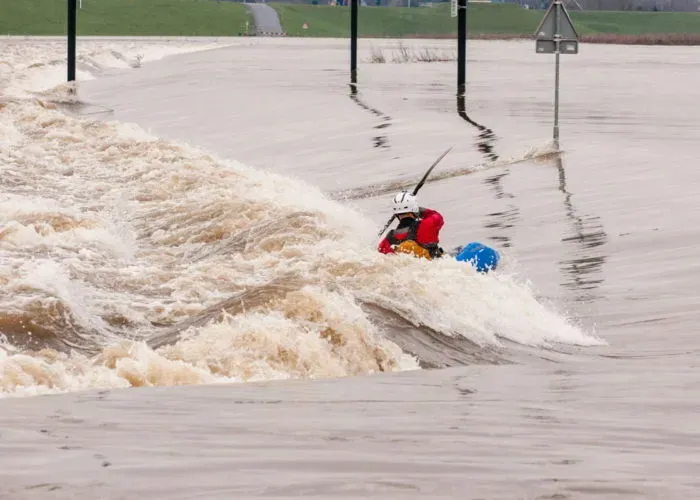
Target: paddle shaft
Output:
[{"x": 418, "y": 186}]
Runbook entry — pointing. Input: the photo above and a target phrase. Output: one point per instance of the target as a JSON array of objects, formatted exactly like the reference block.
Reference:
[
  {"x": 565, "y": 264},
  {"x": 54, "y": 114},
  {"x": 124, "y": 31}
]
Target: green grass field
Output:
[
  {"x": 637, "y": 23},
  {"x": 125, "y": 17},
  {"x": 213, "y": 18},
  {"x": 483, "y": 19},
  {"x": 403, "y": 21}
]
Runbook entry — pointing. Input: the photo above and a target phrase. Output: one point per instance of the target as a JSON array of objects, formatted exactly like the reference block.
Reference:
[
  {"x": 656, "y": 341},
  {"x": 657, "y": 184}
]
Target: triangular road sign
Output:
[{"x": 547, "y": 28}]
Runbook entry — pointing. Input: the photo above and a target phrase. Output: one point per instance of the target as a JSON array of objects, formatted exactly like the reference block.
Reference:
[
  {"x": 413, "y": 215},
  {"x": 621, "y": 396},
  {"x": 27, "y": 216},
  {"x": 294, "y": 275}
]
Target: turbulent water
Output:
[
  {"x": 212, "y": 217},
  {"x": 130, "y": 260}
]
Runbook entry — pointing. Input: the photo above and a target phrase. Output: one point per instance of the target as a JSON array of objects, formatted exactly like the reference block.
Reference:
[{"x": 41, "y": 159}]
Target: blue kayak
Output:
[{"x": 481, "y": 257}]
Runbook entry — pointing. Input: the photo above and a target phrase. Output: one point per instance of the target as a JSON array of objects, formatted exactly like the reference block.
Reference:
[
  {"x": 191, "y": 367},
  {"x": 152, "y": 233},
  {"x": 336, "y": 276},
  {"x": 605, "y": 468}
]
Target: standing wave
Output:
[{"x": 133, "y": 261}]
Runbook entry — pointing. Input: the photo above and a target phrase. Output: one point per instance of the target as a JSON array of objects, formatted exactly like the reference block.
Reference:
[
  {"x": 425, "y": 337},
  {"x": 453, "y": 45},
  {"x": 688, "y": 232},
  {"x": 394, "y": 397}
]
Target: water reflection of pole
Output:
[
  {"x": 501, "y": 221},
  {"x": 380, "y": 140},
  {"x": 585, "y": 270},
  {"x": 484, "y": 142}
]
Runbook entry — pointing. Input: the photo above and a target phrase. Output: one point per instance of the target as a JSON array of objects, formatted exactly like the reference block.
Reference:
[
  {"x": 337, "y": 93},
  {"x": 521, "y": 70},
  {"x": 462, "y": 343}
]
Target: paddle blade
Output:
[{"x": 425, "y": 177}]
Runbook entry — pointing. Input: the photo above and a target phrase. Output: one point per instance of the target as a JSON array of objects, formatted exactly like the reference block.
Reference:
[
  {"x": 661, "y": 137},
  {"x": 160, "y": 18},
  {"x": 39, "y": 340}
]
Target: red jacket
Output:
[{"x": 427, "y": 232}]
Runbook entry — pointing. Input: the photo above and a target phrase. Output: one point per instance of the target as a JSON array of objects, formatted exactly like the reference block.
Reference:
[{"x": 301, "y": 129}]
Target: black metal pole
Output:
[
  {"x": 353, "y": 40},
  {"x": 486, "y": 135},
  {"x": 72, "y": 21},
  {"x": 461, "y": 47}
]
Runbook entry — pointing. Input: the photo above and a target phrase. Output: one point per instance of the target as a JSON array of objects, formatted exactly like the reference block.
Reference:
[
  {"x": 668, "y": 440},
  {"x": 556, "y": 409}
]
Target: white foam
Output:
[{"x": 27, "y": 68}]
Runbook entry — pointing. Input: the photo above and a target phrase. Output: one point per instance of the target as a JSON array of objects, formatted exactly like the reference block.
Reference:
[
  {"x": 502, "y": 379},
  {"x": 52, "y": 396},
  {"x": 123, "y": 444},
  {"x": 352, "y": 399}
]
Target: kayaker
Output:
[{"x": 418, "y": 231}]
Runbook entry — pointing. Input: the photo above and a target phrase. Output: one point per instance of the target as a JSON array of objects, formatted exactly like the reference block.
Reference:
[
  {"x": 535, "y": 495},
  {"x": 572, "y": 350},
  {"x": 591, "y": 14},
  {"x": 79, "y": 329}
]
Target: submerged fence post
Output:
[
  {"x": 461, "y": 46},
  {"x": 72, "y": 21},
  {"x": 353, "y": 40},
  {"x": 486, "y": 135}
]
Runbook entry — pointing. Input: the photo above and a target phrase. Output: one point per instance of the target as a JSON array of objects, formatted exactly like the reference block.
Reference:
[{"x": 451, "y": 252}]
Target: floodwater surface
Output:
[{"x": 199, "y": 232}]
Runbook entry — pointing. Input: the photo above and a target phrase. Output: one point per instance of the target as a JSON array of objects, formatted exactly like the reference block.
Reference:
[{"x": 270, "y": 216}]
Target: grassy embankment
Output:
[
  {"x": 489, "y": 21},
  {"x": 213, "y": 18},
  {"x": 126, "y": 18}
]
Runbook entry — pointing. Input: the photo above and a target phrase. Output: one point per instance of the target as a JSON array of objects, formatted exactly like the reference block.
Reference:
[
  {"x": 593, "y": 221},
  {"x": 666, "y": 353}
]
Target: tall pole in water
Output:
[
  {"x": 353, "y": 40},
  {"x": 461, "y": 47},
  {"x": 72, "y": 21},
  {"x": 557, "y": 40},
  {"x": 556, "y": 34}
]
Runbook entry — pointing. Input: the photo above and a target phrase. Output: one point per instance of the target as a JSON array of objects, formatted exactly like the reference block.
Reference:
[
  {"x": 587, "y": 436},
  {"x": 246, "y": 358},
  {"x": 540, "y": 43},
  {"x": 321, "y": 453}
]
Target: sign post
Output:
[{"x": 556, "y": 34}]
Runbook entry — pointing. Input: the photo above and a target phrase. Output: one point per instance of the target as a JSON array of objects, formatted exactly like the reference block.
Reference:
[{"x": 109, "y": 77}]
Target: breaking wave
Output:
[{"x": 128, "y": 261}]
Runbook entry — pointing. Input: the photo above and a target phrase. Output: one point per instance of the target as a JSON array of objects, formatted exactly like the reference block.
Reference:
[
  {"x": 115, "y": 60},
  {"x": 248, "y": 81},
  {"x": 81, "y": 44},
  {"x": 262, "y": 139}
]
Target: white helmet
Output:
[{"x": 404, "y": 202}]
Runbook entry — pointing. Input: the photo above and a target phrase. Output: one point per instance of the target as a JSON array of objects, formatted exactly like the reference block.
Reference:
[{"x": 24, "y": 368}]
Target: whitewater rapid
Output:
[{"x": 128, "y": 260}]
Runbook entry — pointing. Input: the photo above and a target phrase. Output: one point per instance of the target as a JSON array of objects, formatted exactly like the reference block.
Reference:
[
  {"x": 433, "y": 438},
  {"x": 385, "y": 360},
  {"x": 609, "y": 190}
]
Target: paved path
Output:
[{"x": 267, "y": 22}]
